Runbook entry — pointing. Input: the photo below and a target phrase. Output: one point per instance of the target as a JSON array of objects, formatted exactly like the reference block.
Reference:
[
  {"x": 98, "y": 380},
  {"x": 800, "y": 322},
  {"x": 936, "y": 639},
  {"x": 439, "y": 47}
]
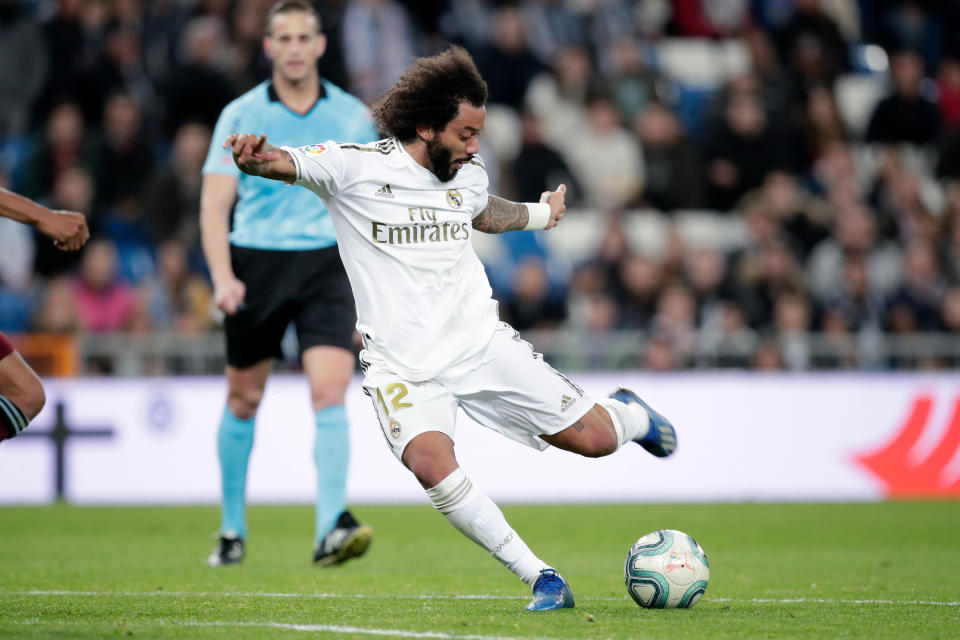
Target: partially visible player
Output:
[
  {"x": 21, "y": 392},
  {"x": 279, "y": 264},
  {"x": 404, "y": 209}
]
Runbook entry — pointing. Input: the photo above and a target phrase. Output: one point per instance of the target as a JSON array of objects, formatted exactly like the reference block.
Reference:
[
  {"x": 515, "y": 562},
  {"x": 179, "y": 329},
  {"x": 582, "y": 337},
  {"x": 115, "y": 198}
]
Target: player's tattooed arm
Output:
[
  {"x": 501, "y": 215},
  {"x": 255, "y": 156}
]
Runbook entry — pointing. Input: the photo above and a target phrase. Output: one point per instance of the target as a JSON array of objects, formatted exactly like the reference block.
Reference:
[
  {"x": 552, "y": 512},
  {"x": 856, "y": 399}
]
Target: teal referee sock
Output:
[
  {"x": 234, "y": 442},
  {"x": 331, "y": 453}
]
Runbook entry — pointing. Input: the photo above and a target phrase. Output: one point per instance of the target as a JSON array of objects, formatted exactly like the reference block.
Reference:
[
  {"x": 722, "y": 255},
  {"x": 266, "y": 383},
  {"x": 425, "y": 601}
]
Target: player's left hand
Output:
[{"x": 557, "y": 206}]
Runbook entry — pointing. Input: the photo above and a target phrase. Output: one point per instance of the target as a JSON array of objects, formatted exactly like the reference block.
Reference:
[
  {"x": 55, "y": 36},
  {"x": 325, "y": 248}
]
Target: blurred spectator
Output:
[
  {"x": 71, "y": 47},
  {"x": 57, "y": 312},
  {"x": 792, "y": 320},
  {"x": 854, "y": 232},
  {"x": 705, "y": 270},
  {"x": 378, "y": 46},
  {"x": 905, "y": 115},
  {"x": 120, "y": 158},
  {"x": 948, "y": 92},
  {"x": 811, "y": 46},
  {"x": 539, "y": 167},
  {"x": 852, "y": 306},
  {"x": 822, "y": 124},
  {"x": 21, "y": 82},
  {"x": 761, "y": 275},
  {"x": 908, "y": 24},
  {"x": 248, "y": 65},
  {"x": 507, "y": 64},
  {"x": 172, "y": 193},
  {"x": 660, "y": 355},
  {"x": 948, "y": 243},
  {"x": 671, "y": 167},
  {"x": 710, "y": 18},
  {"x": 606, "y": 158},
  {"x": 103, "y": 301},
  {"x": 804, "y": 217},
  {"x": 118, "y": 69},
  {"x": 16, "y": 252},
  {"x": 725, "y": 339},
  {"x": 531, "y": 305},
  {"x": 553, "y": 25},
  {"x": 915, "y": 305},
  {"x": 60, "y": 148},
  {"x": 176, "y": 299},
  {"x": 641, "y": 280},
  {"x": 775, "y": 86},
  {"x": 768, "y": 357},
  {"x": 950, "y": 310},
  {"x": 633, "y": 85},
  {"x": 198, "y": 90},
  {"x": 558, "y": 97},
  {"x": 740, "y": 152},
  {"x": 676, "y": 321}
]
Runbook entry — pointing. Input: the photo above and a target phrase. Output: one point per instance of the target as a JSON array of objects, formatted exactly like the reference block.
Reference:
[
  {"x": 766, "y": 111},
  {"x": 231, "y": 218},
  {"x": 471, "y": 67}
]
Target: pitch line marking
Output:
[{"x": 428, "y": 596}]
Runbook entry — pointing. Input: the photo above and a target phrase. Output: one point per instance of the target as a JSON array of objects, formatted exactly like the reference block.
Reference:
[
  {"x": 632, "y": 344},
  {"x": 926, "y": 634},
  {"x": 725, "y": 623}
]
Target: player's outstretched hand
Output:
[
  {"x": 67, "y": 229},
  {"x": 557, "y": 207},
  {"x": 229, "y": 295},
  {"x": 251, "y": 153}
]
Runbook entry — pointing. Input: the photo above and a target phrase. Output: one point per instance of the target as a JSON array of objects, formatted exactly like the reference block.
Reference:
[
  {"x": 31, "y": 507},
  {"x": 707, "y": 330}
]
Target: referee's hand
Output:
[{"x": 229, "y": 295}]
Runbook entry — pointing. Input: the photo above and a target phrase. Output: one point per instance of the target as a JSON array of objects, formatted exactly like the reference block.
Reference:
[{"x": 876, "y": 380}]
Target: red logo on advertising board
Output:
[{"x": 906, "y": 478}]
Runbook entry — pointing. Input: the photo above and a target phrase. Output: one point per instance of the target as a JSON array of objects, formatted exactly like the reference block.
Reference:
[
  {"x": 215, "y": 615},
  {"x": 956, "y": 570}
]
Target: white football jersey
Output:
[{"x": 423, "y": 298}]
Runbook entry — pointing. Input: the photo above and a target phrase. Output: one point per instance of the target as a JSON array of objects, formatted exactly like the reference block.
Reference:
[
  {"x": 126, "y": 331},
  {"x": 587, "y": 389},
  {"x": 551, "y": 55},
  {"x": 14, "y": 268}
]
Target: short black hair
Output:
[
  {"x": 429, "y": 93},
  {"x": 289, "y": 6}
]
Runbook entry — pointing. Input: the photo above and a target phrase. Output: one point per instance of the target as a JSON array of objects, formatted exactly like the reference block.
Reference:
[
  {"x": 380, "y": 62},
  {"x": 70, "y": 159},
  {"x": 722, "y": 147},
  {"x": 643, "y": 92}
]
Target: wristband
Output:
[{"x": 538, "y": 215}]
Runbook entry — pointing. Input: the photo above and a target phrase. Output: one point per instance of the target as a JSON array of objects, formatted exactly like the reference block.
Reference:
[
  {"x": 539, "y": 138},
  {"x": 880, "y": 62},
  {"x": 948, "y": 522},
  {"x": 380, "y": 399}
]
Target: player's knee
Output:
[
  {"x": 34, "y": 401},
  {"x": 427, "y": 464},
  {"x": 598, "y": 444}
]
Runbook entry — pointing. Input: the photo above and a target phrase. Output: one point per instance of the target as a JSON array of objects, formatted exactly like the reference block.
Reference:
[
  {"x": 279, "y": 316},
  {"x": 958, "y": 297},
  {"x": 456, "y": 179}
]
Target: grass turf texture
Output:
[{"x": 886, "y": 570}]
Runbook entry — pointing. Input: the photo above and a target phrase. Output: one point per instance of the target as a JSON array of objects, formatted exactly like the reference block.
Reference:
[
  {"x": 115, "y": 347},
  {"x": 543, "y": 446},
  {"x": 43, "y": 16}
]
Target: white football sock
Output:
[
  {"x": 630, "y": 421},
  {"x": 477, "y": 517}
]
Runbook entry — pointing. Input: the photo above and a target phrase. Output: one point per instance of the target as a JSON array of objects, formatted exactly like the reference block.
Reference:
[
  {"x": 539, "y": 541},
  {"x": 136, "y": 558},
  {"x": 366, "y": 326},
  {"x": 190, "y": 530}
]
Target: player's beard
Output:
[{"x": 441, "y": 159}]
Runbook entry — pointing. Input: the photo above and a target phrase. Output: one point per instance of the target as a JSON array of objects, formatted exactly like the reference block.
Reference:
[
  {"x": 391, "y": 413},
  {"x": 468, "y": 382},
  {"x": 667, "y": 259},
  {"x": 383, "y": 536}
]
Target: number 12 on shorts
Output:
[{"x": 396, "y": 391}]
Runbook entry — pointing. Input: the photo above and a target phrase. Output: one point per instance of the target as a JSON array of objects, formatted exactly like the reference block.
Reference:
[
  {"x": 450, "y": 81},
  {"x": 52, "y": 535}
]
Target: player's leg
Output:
[
  {"x": 430, "y": 456},
  {"x": 339, "y": 536},
  {"x": 325, "y": 325},
  {"x": 21, "y": 392},
  {"x": 626, "y": 418}
]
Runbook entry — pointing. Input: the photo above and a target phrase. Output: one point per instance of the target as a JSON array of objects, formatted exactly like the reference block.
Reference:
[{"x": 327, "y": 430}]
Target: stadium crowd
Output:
[{"x": 827, "y": 130}]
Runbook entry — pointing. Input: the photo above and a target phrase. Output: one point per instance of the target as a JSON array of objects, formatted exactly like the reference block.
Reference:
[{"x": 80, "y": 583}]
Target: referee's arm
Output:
[{"x": 217, "y": 194}]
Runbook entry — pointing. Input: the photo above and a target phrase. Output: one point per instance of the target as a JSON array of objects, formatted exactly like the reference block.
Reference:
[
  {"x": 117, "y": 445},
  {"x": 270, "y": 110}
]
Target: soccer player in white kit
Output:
[{"x": 404, "y": 209}]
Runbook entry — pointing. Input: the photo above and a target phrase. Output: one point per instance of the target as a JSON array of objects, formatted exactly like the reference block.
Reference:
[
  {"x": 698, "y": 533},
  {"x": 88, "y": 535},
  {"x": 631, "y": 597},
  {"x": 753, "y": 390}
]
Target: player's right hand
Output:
[
  {"x": 251, "y": 153},
  {"x": 67, "y": 229},
  {"x": 229, "y": 295}
]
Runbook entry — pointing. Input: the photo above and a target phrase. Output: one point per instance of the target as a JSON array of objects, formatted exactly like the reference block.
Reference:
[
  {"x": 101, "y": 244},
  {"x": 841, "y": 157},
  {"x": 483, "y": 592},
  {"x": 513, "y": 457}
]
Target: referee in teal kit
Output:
[{"x": 279, "y": 264}]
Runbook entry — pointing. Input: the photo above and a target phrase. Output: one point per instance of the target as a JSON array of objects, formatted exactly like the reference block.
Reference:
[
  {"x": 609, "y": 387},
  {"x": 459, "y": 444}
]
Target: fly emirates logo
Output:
[{"x": 423, "y": 229}]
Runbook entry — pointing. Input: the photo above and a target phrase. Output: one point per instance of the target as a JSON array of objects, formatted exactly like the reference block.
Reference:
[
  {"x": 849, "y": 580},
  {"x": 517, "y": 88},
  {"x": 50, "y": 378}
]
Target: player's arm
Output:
[
  {"x": 256, "y": 157},
  {"x": 67, "y": 229},
  {"x": 503, "y": 215}
]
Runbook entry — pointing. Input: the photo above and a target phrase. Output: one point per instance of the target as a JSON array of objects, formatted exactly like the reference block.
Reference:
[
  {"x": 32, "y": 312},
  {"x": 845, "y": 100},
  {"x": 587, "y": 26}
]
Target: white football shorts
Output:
[{"x": 505, "y": 387}]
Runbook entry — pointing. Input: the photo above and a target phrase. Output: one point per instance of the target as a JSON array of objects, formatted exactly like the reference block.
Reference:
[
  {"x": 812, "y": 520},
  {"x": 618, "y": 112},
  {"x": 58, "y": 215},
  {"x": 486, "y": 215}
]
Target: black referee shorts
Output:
[{"x": 308, "y": 288}]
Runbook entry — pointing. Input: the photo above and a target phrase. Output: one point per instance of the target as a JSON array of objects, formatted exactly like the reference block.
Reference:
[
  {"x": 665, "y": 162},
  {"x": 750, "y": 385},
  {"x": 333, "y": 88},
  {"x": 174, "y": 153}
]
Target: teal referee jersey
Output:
[{"x": 269, "y": 214}]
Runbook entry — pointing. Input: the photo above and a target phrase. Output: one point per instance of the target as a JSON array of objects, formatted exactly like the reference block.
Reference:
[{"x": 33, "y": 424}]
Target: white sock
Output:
[
  {"x": 630, "y": 421},
  {"x": 477, "y": 517}
]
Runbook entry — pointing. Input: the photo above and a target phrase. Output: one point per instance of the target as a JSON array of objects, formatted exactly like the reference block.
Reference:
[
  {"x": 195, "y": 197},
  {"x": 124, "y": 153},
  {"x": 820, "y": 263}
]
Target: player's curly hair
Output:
[{"x": 429, "y": 94}]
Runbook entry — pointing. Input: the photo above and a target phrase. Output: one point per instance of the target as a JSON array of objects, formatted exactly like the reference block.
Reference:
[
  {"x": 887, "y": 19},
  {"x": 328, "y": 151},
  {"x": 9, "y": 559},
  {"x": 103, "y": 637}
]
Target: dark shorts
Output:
[
  {"x": 6, "y": 347},
  {"x": 308, "y": 288}
]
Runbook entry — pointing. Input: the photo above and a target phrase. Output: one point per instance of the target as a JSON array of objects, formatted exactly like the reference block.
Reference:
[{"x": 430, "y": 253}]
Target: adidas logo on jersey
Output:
[
  {"x": 565, "y": 403},
  {"x": 384, "y": 192}
]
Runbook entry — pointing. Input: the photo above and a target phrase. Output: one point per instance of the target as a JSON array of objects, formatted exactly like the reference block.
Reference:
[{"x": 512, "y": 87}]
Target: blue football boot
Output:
[
  {"x": 661, "y": 438},
  {"x": 550, "y": 591}
]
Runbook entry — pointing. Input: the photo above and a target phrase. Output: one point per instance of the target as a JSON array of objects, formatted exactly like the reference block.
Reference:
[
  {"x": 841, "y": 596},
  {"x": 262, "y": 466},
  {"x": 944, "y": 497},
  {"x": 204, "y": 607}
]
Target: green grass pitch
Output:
[{"x": 886, "y": 570}]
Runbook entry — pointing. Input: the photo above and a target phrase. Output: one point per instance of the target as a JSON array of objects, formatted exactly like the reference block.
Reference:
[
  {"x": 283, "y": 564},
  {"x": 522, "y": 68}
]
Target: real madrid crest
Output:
[
  {"x": 394, "y": 428},
  {"x": 454, "y": 199}
]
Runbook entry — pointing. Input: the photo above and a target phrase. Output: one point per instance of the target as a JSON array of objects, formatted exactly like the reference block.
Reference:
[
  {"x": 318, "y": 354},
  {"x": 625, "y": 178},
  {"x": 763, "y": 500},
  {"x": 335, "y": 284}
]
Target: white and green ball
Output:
[{"x": 666, "y": 569}]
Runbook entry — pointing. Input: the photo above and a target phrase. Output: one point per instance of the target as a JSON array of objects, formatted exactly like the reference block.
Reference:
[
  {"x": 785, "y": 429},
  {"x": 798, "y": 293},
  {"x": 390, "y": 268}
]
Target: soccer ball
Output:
[{"x": 666, "y": 569}]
